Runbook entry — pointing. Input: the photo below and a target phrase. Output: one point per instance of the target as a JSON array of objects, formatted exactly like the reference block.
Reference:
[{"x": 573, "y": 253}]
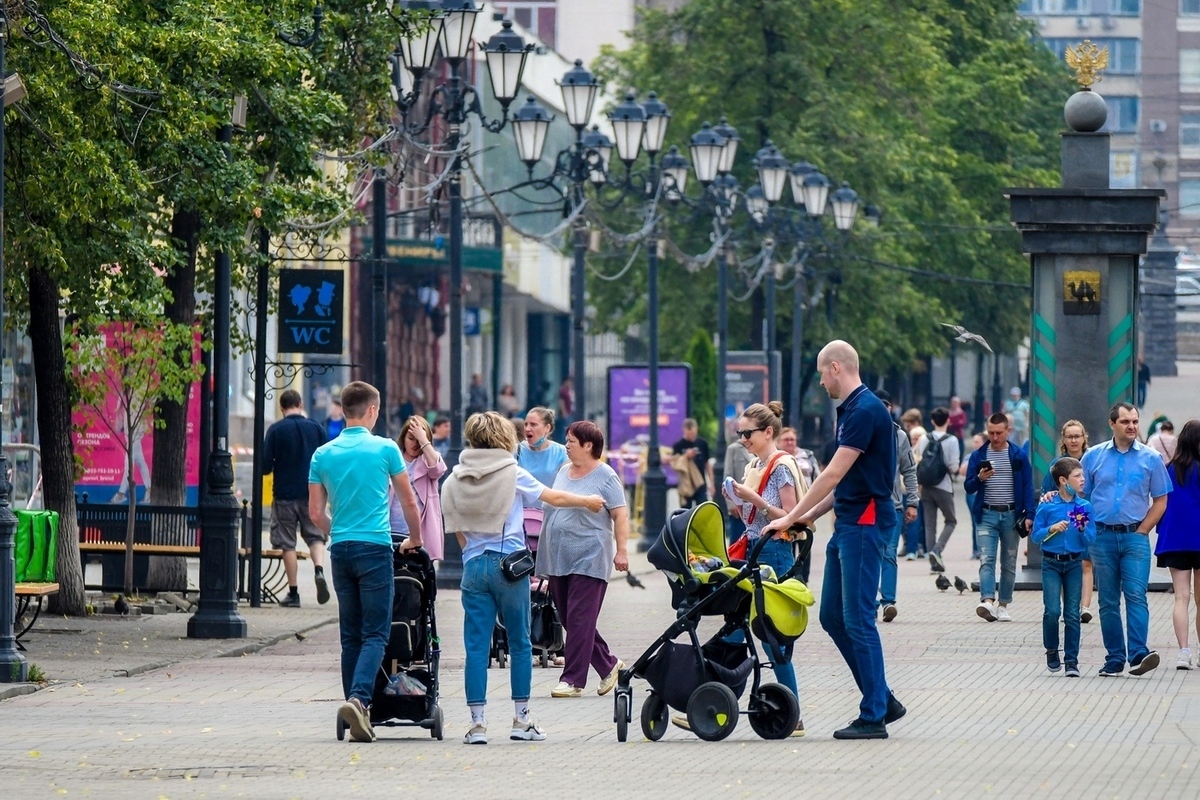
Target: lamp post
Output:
[
  {"x": 216, "y": 616},
  {"x": 455, "y": 102},
  {"x": 13, "y": 667}
]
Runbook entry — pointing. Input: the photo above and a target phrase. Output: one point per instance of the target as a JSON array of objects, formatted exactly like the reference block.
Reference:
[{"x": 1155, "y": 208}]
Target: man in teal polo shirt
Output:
[
  {"x": 857, "y": 485},
  {"x": 352, "y": 474}
]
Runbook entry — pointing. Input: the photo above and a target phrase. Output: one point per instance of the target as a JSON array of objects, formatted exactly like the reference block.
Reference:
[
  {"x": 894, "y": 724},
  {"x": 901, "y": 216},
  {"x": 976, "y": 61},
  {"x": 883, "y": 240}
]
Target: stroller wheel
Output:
[
  {"x": 621, "y": 715},
  {"x": 502, "y": 659},
  {"x": 544, "y": 659},
  {"x": 774, "y": 711},
  {"x": 341, "y": 729},
  {"x": 436, "y": 730},
  {"x": 655, "y": 717},
  {"x": 712, "y": 711}
]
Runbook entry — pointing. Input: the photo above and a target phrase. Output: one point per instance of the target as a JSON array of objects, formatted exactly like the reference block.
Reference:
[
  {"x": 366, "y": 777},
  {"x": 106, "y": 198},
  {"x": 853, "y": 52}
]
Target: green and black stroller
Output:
[{"x": 705, "y": 681}]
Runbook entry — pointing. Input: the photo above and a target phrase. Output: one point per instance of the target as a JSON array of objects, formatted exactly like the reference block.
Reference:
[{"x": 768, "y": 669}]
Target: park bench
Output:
[{"x": 27, "y": 594}]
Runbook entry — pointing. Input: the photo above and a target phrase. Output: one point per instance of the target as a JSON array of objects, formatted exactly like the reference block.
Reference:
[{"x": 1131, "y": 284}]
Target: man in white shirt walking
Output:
[{"x": 936, "y": 474}]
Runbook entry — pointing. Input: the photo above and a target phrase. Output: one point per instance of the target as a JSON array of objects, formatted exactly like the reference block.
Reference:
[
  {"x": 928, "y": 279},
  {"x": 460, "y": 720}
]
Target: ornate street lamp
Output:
[
  {"x": 657, "y": 118},
  {"x": 530, "y": 125},
  {"x": 798, "y": 172},
  {"x": 629, "y": 124},
  {"x": 675, "y": 170},
  {"x": 756, "y": 203},
  {"x": 458, "y": 24},
  {"x": 579, "y": 88},
  {"x": 506, "y": 53},
  {"x": 845, "y": 207},
  {"x": 816, "y": 192},
  {"x": 772, "y": 171},
  {"x": 730, "y": 135},
  {"x": 708, "y": 148},
  {"x": 419, "y": 49},
  {"x": 594, "y": 141}
]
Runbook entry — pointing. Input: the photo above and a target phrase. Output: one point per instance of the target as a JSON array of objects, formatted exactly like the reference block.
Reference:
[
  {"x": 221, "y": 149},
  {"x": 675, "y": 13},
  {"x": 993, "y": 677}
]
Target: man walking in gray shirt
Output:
[{"x": 939, "y": 466}]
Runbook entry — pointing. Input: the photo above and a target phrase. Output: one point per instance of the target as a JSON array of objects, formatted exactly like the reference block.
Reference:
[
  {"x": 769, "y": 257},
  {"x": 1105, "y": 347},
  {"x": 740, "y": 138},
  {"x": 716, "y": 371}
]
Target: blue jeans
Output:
[
  {"x": 486, "y": 593},
  {"x": 364, "y": 583},
  {"x": 914, "y": 533},
  {"x": 852, "y": 561},
  {"x": 974, "y": 526},
  {"x": 777, "y": 555},
  {"x": 1062, "y": 585},
  {"x": 1122, "y": 563},
  {"x": 996, "y": 533},
  {"x": 887, "y": 572}
]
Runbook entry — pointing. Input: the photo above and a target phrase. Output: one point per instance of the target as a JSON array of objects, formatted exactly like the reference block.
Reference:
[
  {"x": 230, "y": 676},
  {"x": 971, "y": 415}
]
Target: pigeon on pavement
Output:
[
  {"x": 120, "y": 606},
  {"x": 965, "y": 335},
  {"x": 634, "y": 581},
  {"x": 960, "y": 584},
  {"x": 942, "y": 582}
]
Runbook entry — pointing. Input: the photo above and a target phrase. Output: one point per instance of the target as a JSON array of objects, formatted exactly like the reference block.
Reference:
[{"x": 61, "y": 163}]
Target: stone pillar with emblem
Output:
[{"x": 1084, "y": 241}]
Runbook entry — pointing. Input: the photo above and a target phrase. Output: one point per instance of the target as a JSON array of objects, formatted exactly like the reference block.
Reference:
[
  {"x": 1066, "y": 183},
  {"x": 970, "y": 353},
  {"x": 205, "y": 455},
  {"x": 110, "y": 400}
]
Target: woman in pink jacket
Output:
[{"x": 425, "y": 467}]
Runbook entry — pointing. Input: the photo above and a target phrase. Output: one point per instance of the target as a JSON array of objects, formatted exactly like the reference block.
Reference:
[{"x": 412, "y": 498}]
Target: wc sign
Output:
[{"x": 311, "y": 310}]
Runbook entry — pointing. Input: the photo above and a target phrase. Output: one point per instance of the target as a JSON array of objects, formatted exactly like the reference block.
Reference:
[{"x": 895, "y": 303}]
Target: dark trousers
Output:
[
  {"x": 363, "y": 581},
  {"x": 579, "y": 598}
]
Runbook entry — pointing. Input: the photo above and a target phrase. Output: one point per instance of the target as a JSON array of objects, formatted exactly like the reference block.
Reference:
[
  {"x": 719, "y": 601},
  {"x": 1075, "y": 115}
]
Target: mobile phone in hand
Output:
[
  {"x": 727, "y": 485},
  {"x": 985, "y": 464}
]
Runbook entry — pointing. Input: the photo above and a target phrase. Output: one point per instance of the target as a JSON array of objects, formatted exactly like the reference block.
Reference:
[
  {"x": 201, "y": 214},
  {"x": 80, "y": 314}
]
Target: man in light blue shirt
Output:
[
  {"x": 352, "y": 474},
  {"x": 1127, "y": 485}
]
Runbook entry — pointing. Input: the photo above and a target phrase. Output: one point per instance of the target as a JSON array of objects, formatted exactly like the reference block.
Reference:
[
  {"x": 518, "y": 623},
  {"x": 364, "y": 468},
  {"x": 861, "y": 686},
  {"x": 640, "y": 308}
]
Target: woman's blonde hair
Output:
[
  {"x": 490, "y": 431},
  {"x": 767, "y": 416},
  {"x": 407, "y": 426},
  {"x": 1062, "y": 433}
]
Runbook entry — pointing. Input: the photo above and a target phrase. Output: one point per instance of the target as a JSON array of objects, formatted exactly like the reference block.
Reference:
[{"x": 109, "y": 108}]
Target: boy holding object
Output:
[{"x": 1064, "y": 528}]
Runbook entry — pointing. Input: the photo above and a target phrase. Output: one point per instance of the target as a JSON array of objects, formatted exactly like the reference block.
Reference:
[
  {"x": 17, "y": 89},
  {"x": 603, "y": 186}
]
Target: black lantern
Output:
[
  {"x": 730, "y": 135},
  {"x": 458, "y": 24},
  {"x": 629, "y": 123},
  {"x": 675, "y": 168},
  {"x": 530, "y": 125},
  {"x": 657, "y": 118},
  {"x": 418, "y": 50},
  {"x": 594, "y": 141},
  {"x": 506, "y": 53},
  {"x": 579, "y": 88},
  {"x": 708, "y": 148},
  {"x": 772, "y": 171},
  {"x": 845, "y": 207}
]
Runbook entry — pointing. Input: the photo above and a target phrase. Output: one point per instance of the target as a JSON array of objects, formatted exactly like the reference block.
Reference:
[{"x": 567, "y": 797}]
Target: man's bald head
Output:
[{"x": 842, "y": 352}]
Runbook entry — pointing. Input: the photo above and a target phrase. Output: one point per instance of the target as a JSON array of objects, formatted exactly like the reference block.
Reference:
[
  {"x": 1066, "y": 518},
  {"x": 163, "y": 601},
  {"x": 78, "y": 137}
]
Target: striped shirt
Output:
[{"x": 998, "y": 490}]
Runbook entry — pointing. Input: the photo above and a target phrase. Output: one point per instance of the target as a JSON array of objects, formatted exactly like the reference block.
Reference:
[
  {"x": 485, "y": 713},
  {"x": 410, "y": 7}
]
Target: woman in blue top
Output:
[
  {"x": 1072, "y": 443},
  {"x": 1178, "y": 546},
  {"x": 538, "y": 455}
]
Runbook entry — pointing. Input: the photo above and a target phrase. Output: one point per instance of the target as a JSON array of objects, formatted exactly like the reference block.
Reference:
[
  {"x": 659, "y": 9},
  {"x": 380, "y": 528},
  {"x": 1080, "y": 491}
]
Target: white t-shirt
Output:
[{"x": 529, "y": 489}]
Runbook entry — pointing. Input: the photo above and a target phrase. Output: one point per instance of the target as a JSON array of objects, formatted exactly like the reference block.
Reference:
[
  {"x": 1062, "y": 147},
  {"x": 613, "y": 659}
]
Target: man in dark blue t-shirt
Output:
[
  {"x": 857, "y": 485},
  {"x": 287, "y": 450}
]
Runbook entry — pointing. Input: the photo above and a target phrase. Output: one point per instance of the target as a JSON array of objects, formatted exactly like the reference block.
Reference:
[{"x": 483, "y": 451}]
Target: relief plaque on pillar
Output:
[{"x": 1081, "y": 292}]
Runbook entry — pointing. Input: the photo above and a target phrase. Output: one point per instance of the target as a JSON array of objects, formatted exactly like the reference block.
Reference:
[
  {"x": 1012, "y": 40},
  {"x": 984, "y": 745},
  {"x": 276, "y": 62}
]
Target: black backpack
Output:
[{"x": 932, "y": 468}]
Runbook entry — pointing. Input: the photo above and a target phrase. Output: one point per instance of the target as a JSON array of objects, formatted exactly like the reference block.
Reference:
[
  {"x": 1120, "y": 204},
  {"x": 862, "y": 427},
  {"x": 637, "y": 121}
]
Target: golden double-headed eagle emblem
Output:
[{"x": 1087, "y": 60}]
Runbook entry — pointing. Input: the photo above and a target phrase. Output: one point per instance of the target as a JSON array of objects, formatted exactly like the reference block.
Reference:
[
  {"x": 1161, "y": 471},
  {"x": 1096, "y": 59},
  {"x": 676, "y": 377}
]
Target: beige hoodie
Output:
[{"x": 479, "y": 493}]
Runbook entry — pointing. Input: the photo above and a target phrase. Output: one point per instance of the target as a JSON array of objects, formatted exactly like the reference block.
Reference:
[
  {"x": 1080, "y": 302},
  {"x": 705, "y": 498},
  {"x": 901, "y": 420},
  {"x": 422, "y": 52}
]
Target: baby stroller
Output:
[
  {"x": 705, "y": 680},
  {"x": 545, "y": 625},
  {"x": 406, "y": 685}
]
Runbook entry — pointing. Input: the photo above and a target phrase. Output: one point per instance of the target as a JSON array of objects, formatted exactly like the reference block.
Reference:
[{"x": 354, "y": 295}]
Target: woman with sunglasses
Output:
[
  {"x": 1072, "y": 443},
  {"x": 768, "y": 491}
]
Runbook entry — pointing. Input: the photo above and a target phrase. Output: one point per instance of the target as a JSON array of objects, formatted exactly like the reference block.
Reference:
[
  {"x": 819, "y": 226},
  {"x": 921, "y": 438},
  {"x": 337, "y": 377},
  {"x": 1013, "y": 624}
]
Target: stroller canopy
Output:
[{"x": 691, "y": 536}]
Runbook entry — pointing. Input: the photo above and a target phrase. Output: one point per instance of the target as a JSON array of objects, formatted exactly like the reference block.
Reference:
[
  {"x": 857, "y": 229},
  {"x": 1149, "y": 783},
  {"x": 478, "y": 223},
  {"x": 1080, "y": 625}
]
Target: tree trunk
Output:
[
  {"x": 169, "y": 471},
  {"x": 54, "y": 431},
  {"x": 131, "y": 510}
]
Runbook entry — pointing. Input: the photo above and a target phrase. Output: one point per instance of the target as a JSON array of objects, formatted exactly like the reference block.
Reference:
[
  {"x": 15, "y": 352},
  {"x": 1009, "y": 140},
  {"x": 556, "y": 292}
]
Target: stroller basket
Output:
[{"x": 675, "y": 671}]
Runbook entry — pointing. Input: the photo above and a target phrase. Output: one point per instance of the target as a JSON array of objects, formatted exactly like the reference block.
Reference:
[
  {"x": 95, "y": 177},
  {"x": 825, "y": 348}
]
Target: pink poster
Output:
[{"x": 100, "y": 446}]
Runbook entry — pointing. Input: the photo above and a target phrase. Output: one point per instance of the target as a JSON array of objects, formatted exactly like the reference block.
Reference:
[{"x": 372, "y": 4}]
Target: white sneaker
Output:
[
  {"x": 986, "y": 610},
  {"x": 565, "y": 689},
  {"x": 610, "y": 680},
  {"x": 1003, "y": 615},
  {"x": 476, "y": 735},
  {"x": 527, "y": 731},
  {"x": 1185, "y": 659},
  {"x": 1086, "y": 615}
]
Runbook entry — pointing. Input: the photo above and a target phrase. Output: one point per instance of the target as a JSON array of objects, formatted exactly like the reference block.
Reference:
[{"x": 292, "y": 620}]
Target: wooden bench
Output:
[{"x": 26, "y": 593}]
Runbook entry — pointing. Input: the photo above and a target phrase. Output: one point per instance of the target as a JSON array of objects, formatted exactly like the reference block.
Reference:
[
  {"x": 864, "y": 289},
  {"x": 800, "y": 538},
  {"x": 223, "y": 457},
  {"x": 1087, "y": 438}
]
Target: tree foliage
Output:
[
  {"x": 703, "y": 357},
  {"x": 928, "y": 108}
]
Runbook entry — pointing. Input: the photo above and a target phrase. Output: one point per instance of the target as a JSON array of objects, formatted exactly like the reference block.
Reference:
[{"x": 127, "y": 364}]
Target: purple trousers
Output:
[{"x": 579, "y": 598}]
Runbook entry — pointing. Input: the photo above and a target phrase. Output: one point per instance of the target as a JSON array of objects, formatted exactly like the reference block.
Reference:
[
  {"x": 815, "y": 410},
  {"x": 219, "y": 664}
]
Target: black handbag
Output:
[{"x": 517, "y": 565}]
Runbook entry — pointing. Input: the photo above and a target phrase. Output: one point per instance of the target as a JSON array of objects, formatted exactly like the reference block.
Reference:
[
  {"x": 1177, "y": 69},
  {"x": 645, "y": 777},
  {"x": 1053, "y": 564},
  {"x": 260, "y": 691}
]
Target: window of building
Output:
[
  {"x": 1189, "y": 135},
  {"x": 1124, "y": 8},
  {"x": 539, "y": 17},
  {"x": 1189, "y": 198},
  {"x": 1122, "y": 115},
  {"x": 1122, "y": 169},
  {"x": 1124, "y": 55},
  {"x": 1189, "y": 8},
  {"x": 1189, "y": 70}
]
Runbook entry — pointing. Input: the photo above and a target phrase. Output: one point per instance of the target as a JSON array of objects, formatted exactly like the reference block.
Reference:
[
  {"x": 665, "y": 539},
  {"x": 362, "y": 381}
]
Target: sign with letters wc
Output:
[{"x": 311, "y": 310}]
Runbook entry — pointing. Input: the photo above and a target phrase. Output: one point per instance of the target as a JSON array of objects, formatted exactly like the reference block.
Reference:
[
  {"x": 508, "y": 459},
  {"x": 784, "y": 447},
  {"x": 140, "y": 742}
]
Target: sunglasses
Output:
[{"x": 746, "y": 434}]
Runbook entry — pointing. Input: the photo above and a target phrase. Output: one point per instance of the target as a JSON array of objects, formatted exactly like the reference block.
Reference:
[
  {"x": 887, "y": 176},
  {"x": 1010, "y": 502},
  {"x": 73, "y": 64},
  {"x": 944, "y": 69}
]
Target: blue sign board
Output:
[
  {"x": 472, "y": 321},
  {"x": 311, "y": 310}
]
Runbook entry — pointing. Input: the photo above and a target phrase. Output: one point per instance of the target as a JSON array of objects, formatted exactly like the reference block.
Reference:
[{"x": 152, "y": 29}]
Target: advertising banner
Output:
[{"x": 629, "y": 414}]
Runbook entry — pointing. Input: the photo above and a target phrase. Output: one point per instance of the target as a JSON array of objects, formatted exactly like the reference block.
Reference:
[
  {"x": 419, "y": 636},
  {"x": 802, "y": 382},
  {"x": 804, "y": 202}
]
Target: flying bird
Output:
[
  {"x": 634, "y": 581},
  {"x": 960, "y": 584},
  {"x": 942, "y": 582},
  {"x": 965, "y": 335}
]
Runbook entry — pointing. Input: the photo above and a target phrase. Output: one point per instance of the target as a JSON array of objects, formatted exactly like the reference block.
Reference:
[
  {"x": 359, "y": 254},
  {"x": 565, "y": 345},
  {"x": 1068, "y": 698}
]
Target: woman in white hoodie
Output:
[{"x": 489, "y": 528}]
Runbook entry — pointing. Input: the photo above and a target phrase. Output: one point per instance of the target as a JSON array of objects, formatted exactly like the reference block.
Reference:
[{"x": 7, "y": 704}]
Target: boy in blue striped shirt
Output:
[{"x": 1064, "y": 528}]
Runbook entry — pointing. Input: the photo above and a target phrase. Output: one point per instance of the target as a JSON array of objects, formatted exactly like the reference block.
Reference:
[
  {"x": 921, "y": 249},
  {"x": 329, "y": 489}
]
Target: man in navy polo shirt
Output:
[{"x": 857, "y": 485}]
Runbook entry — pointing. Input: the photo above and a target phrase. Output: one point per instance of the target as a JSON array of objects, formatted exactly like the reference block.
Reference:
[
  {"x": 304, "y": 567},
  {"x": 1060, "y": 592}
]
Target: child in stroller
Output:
[
  {"x": 705, "y": 680},
  {"x": 406, "y": 684},
  {"x": 545, "y": 624}
]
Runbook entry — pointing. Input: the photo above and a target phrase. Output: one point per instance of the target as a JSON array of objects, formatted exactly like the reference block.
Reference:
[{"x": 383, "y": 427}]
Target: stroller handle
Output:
[{"x": 802, "y": 534}]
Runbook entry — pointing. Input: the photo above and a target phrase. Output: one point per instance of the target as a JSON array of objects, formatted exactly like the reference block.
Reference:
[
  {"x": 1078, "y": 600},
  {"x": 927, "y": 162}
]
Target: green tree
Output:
[
  {"x": 703, "y": 358},
  {"x": 120, "y": 164},
  {"x": 928, "y": 109}
]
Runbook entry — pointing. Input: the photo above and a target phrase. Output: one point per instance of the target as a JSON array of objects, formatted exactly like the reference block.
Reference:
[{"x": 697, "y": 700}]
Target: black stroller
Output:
[
  {"x": 545, "y": 625},
  {"x": 705, "y": 680},
  {"x": 406, "y": 685}
]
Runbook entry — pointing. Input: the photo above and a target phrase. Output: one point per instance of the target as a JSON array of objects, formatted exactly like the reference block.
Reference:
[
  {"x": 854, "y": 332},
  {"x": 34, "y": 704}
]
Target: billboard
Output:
[
  {"x": 629, "y": 414},
  {"x": 747, "y": 380},
  {"x": 102, "y": 452}
]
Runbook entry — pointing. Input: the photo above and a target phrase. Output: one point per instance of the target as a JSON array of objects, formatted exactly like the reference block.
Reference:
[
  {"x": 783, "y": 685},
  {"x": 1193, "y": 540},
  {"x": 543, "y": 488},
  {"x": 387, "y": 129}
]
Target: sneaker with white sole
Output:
[
  {"x": 1144, "y": 664},
  {"x": 354, "y": 714},
  {"x": 1185, "y": 659},
  {"x": 986, "y": 610},
  {"x": 477, "y": 734},
  {"x": 1002, "y": 614},
  {"x": 565, "y": 689},
  {"x": 610, "y": 680},
  {"x": 527, "y": 731},
  {"x": 1086, "y": 615},
  {"x": 936, "y": 564}
]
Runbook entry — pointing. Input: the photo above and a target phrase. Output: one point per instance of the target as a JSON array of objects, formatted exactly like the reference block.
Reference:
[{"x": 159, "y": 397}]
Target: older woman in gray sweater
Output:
[{"x": 488, "y": 530}]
